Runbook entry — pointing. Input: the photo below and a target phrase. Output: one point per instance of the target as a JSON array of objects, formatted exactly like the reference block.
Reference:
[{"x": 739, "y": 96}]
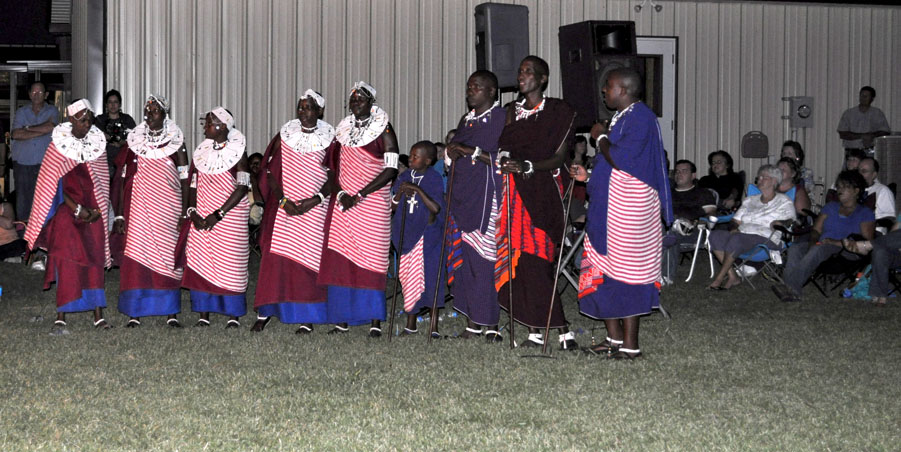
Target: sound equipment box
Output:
[
  {"x": 588, "y": 52},
  {"x": 502, "y": 40}
]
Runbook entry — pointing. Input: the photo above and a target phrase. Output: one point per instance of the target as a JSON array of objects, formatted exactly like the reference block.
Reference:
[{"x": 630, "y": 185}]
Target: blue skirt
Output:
[
  {"x": 617, "y": 300},
  {"x": 355, "y": 306},
  {"x": 148, "y": 302},
  {"x": 231, "y": 305},
  {"x": 90, "y": 299},
  {"x": 288, "y": 312}
]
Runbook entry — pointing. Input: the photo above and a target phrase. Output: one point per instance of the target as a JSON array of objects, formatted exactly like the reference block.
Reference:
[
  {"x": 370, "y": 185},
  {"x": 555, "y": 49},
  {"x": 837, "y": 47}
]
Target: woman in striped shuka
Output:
[
  {"x": 295, "y": 187},
  {"x": 217, "y": 248},
  {"x": 70, "y": 214},
  {"x": 358, "y": 228},
  {"x": 151, "y": 204}
]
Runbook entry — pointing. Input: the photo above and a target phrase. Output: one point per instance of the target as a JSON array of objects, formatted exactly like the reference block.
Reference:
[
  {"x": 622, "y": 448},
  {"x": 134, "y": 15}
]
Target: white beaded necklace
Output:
[
  {"x": 522, "y": 113},
  {"x": 471, "y": 116}
]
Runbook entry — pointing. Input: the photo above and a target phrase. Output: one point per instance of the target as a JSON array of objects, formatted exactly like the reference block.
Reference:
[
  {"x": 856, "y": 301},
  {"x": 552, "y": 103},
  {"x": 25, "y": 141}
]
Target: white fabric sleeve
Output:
[
  {"x": 391, "y": 160},
  {"x": 244, "y": 178}
]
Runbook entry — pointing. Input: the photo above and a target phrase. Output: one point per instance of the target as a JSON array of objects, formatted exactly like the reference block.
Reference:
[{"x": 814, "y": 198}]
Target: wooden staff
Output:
[
  {"x": 433, "y": 315},
  {"x": 550, "y": 310},
  {"x": 509, "y": 200},
  {"x": 400, "y": 245}
]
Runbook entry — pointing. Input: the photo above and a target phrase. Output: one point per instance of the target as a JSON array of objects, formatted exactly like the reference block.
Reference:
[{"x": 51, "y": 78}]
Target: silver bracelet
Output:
[
  {"x": 530, "y": 171},
  {"x": 118, "y": 217},
  {"x": 321, "y": 197},
  {"x": 340, "y": 195},
  {"x": 189, "y": 211},
  {"x": 476, "y": 154},
  {"x": 77, "y": 210}
]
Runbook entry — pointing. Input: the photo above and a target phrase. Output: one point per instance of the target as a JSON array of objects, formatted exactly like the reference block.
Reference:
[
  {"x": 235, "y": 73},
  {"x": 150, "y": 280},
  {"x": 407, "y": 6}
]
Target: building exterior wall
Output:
[{"x": 736, "y": 62}]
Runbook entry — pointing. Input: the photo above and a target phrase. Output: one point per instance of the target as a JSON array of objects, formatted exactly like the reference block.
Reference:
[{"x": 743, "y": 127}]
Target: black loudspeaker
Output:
[
  {"x": 588, "y": 52},
  {"x": 502, "y": 40}
]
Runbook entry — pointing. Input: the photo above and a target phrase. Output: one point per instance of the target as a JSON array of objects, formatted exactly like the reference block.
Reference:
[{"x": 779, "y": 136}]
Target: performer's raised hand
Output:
[
  {"x": 197, "y": 220},
  {"x": 509, "y": 165},
  {"x": 578, "y": 172},
  {"x": 410, "y": 189},
  {"x": 600, "y": 128},
  {"x": 307, "y": 204},
  {"x": 347, "y": 201},
  {"x": 456, "y": 150},
  {"x": 291, "y": 209},
  {"x": 93, "y": 215}
]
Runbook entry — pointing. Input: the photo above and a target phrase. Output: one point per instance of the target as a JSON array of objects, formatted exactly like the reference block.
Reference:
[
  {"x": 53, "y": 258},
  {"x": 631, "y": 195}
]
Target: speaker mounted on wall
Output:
[
  {"x": 502, "y": 40},
  {"x": 588, "y": 52}
]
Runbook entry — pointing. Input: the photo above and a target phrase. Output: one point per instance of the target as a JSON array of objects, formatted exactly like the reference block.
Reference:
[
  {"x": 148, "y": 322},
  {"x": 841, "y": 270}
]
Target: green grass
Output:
[{"x": 733, "y": 370}]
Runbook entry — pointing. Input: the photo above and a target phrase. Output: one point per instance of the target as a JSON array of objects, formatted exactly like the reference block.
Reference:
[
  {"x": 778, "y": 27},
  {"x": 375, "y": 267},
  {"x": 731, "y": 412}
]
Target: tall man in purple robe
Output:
[{"x": 474, "y": 207}]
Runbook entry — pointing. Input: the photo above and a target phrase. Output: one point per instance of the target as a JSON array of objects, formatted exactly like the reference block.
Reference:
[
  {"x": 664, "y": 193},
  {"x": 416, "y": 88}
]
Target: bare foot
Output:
[{"x": 733, "y": 281}]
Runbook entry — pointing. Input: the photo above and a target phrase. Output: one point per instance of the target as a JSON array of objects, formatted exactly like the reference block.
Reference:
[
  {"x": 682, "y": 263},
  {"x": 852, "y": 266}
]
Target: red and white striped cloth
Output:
[
  {"x": 363, "y": 233},
  {"x": 155, "y": 207},
  {"x": 634, "y": 233},
  {"x": 220, "y": 255},
  {"x": 53, "y": 167},
  {"x": 300, "y": 237},
  {"x": 412, "y": 275},
  {"x": 485, "y": 244}
]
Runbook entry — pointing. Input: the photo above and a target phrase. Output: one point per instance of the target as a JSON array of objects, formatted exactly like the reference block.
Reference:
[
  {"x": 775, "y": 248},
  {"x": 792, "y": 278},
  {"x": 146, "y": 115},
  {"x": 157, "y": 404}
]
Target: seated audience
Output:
[
  {"x": 886, "y": 255},
  {"x": 852, "y": 160},
  {"x": 755, "y": 220},
  {"x": 794, "y": 151},
  {"x": 837, "y": 221},
  {"x": 885, "y": 200},
  {"x": 791, "y": 178},
  {"x": 724, "y": 181},
  {"x": 11, "y": 246},
  {"x": 690, "y": 203}
]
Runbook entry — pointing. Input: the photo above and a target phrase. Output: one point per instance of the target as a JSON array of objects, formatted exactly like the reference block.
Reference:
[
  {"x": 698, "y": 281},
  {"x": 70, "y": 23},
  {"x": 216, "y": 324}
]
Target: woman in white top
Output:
[{"x": 755, "y": 220}]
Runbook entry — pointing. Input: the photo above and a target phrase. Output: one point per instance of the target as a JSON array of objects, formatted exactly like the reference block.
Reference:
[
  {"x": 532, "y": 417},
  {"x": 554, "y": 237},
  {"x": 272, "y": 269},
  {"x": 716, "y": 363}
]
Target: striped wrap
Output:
[
  {"x": 54, "y": 166},
  {"x": 300, "y": 237},
  {"x": 362, "y": 234},
  {"x": 220, "y": 255}
]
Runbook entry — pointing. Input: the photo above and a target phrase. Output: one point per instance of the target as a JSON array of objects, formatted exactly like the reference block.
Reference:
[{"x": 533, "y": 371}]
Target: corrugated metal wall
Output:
[{"x": 736, "y": 62}]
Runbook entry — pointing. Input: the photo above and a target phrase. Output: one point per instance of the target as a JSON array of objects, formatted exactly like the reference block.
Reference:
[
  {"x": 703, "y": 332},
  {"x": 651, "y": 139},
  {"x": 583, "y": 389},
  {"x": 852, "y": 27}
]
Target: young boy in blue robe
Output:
[{"x": 418, "y": 201}]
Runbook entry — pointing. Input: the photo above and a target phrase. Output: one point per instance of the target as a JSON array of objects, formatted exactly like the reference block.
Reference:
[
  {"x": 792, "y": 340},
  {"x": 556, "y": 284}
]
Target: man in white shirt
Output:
[
  {"x": 860, "y": 125},
  {"x": 885, "y": 201}
]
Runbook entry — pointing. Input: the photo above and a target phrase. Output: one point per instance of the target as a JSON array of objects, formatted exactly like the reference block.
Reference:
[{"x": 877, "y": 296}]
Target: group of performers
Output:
[{"x": 331, "y": 213}]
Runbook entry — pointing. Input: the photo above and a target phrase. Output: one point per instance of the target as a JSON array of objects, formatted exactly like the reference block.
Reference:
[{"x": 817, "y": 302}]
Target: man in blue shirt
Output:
[{"x": 32, "y": 127}]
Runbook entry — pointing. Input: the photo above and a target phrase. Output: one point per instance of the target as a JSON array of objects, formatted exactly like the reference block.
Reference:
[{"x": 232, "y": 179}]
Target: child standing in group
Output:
[{"x": 419, "y": 194}]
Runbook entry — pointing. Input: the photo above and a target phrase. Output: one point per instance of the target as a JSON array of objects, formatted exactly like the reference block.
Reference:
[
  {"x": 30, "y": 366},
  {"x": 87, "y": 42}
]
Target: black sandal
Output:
[
  {"x": 606, "y": 348},
  {"x": 260, "y": 324},
  {"x": 304, "y": 329},
  {"x": 101, "y": 324}
]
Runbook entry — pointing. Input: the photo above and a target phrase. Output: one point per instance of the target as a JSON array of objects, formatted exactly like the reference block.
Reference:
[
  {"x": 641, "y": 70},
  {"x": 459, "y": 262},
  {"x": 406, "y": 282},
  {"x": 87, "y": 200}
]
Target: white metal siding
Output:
[{"x": 736, "y": 61}]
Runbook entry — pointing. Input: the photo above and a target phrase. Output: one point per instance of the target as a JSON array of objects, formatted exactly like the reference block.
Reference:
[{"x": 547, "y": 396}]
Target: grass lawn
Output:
[{"x": 734, "y": 370}]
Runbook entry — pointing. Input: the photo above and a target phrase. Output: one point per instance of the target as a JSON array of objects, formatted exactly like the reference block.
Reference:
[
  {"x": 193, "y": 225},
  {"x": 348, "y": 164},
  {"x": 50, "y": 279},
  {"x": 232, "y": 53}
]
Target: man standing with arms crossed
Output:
[{"x": 31, "y": 137}]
